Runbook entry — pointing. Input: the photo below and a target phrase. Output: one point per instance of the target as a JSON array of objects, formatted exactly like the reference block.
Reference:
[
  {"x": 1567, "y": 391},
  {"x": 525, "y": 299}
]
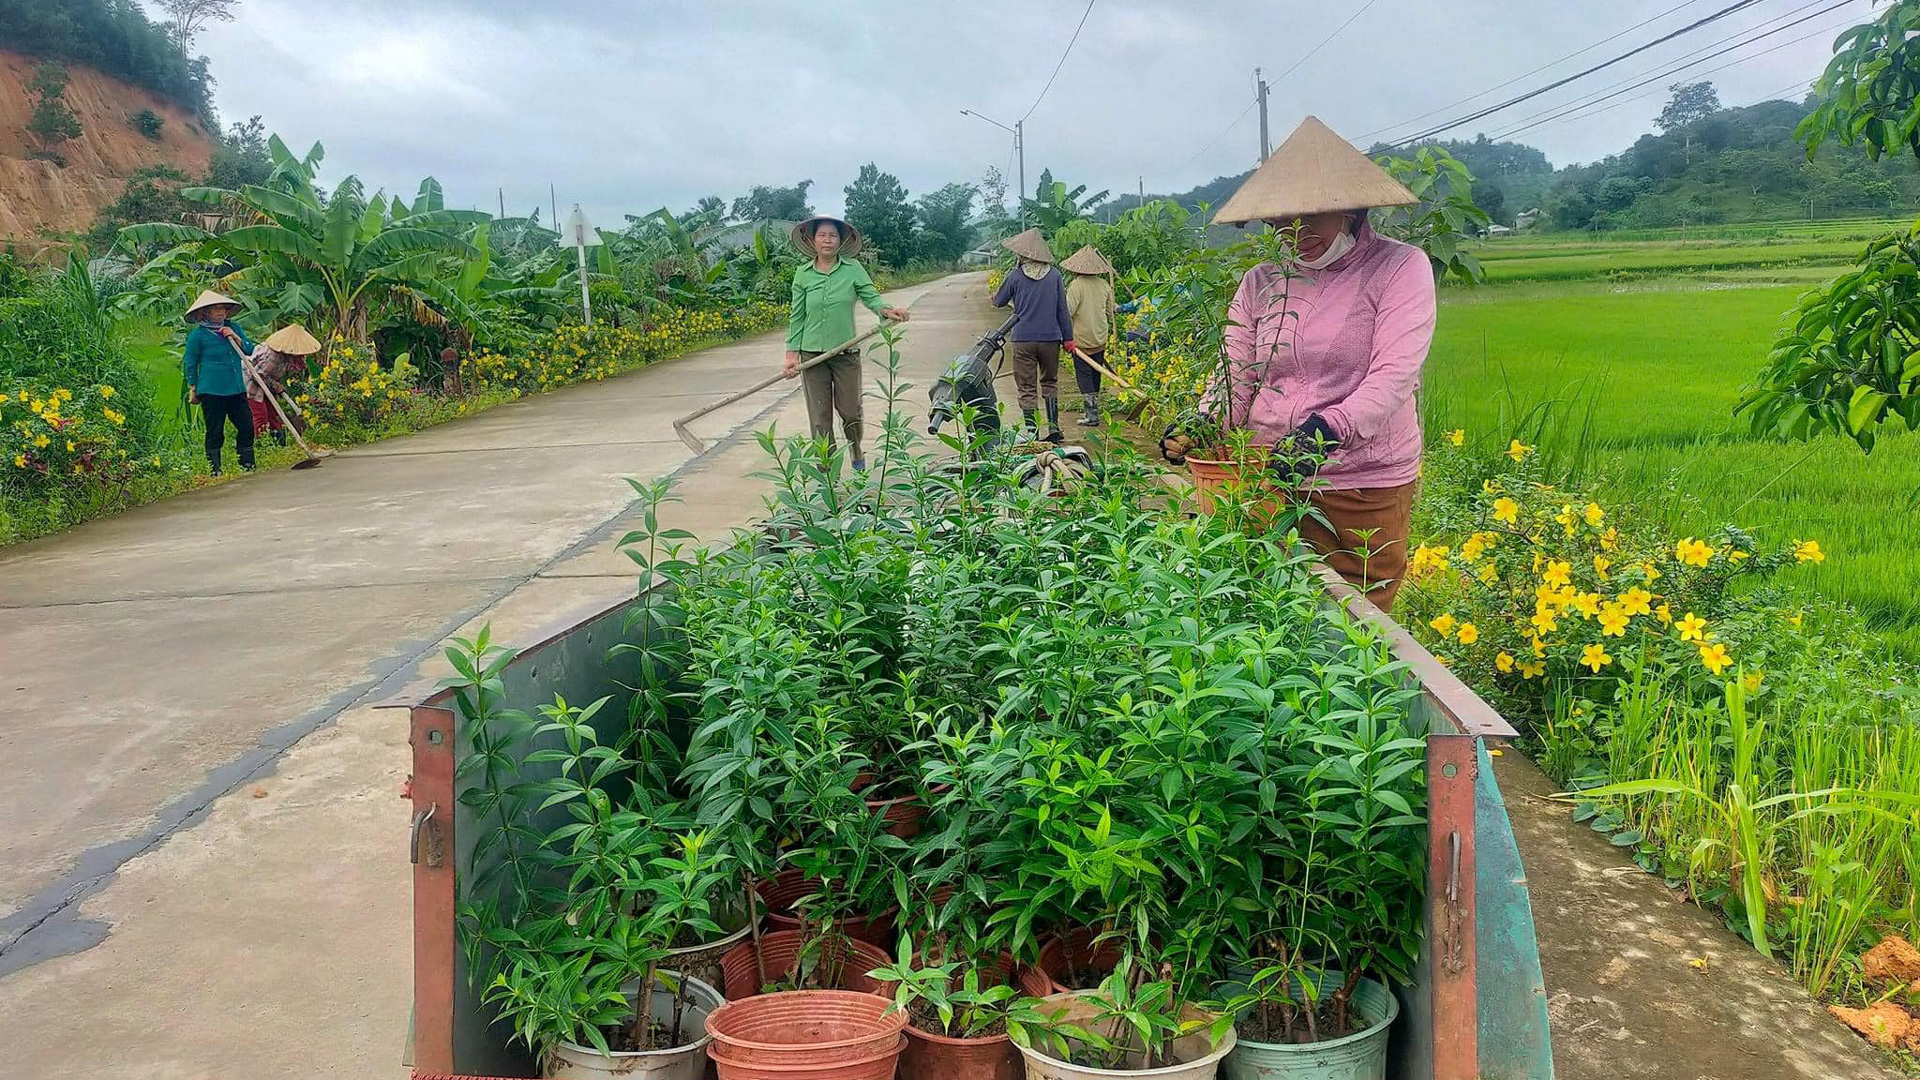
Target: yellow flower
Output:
[
  {"x": 1601, "y": 564},
  {"x": 106, "y": 391},
  {"x": 19, "y": 461},
  {"x": 1692, "y": 628},
  {"x": 1458, "y": 436},
  {"x": 1594, "y": 514},
  {"x": 1503, "y": 663},
  {"x": 42, "y": 442},
  {"x": 1532, "y": 671},
  {"x": 1651, "y": 571},
  {"x": 1795, "y": 619},
  {"x": 1539, "y": 647},
  {"x": 1558, "y": 573},
  {"x": 1565, "y": 517},
  {"x": 1544, "y": 621},
  {"x": 1692, "y": 552},
  {"x": 1425, "y": 559},
  {"x": 1595, "y": 657},
  {"x": 1750, "y": 681},
  {"x": 1469, "y": 633},
  {"x": 1613, "y": 621},
  {"x": 1665, "y": 614},
  {"x": 1518, "y": 451},
  {"x": 1715, "y": 657},
  {"x": 1505, "y": 509},
  {"x": 1588, "y": 604},
  {"x": 1636, "y": 601},
  {"x": 1473, "y": 549},
  {"x": 70, "y": 447},
  {"x": 1488, "y": 573},
  {"x": 1610, "y": 539},
  {"x": 1808, "y": 551},
  {"x": 1444, "y": 624},
  {"x": 1735, "y": 555}
]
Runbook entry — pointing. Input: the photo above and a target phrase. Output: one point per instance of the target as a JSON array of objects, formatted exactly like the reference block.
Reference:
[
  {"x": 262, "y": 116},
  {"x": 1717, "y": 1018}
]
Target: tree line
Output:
[{"x": 114, "y": 37}]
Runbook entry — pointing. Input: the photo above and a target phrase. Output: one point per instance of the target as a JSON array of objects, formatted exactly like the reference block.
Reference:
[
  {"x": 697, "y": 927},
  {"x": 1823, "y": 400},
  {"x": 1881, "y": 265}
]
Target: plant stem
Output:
[
  {"x": 753, "y": 928},
  {"x": 643, "y": 1011}
]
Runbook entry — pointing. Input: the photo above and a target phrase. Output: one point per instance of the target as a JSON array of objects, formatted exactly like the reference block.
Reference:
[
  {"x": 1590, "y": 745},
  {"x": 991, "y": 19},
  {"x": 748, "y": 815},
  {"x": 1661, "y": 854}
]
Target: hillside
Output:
[{"x": 38, "y": 197}]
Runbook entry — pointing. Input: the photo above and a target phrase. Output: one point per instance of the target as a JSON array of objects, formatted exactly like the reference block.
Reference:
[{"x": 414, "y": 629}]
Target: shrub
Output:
[
  {"x": 61, "y": 437},
  {"x": 352, "y": 389},
  {"x": 148, "y": 123}
]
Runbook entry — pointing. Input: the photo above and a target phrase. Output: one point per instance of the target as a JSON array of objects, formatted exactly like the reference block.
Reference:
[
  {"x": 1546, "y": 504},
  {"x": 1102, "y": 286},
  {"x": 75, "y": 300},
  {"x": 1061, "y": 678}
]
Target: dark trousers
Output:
[
  {"x": 219, "y": 410},
  {"x": 1086, "y": 377}
]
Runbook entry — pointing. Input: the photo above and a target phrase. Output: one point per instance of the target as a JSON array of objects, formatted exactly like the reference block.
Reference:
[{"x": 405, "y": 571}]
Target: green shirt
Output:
[
  {"x": 211, "y": 366},
  {"x": 822, "y": 313}
]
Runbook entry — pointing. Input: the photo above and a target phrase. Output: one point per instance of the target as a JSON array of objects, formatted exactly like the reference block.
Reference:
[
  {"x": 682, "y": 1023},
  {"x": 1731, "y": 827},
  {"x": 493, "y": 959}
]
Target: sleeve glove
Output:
[
  {"x": 1174, "y": 445},
  {"x": 1299, "y": 456}
]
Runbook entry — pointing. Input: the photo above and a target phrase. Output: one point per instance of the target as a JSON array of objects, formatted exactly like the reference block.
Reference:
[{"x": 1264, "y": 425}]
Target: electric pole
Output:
[
  {"x": 1020, "y": 151},
  {"x": 503, "y": 203},
  {"x": 1143, "y": 191},
  {"x": 1260, "y": 92}
]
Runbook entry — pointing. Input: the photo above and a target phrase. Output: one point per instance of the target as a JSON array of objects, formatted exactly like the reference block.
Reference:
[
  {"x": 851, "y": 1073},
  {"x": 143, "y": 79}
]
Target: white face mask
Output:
[{"x": 1340, "y": 246}]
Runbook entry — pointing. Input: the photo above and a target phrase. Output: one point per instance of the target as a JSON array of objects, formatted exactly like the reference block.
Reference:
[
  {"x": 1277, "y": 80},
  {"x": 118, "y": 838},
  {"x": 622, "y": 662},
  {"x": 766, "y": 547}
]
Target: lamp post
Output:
[{"x": 1018, "y": 131}]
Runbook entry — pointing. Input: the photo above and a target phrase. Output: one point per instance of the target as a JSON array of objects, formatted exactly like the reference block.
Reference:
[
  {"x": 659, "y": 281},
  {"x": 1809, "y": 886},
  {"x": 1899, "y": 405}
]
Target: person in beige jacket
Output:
[{"x": 1090, "y": 306}]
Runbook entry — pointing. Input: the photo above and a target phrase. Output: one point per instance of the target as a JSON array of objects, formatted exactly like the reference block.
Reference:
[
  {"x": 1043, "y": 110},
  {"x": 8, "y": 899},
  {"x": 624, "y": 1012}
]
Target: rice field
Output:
[
  {"x": 1639, "y": 382},
  {"x": 1567, "y": 260}
]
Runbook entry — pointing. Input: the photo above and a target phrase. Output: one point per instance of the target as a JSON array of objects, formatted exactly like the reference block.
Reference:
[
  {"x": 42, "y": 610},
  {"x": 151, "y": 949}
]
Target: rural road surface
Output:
[{"x": 203, "y": 867}]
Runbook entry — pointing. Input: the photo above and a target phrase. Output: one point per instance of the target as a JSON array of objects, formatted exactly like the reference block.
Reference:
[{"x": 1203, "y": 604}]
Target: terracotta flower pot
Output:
[
  {"x": 1214, "y": 469},
  {"x": 903, "y": 813},
  {"x": 1195, "y": 1057},
  {"x": 807, "y": 1035},
  {"x": 847, "y": 964},
  {"x": 1072, "y": 950},
  {"x": 935, "y": 1056},
  {"x": 786, "y": 889}
]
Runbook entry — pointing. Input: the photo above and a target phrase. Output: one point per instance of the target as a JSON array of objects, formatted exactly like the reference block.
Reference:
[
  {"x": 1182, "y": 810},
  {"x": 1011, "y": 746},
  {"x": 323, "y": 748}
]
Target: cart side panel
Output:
[{"x": 1514, "y": 1041}]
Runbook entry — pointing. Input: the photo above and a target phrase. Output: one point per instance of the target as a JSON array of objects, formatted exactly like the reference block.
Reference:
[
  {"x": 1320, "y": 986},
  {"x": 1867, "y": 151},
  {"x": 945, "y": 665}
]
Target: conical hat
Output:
[
  {"x": 1029, "y": 245},
  {"x": 1087, "y": 260},
  {"x": 1314, "y": 172},
  {"x": 850, "y": 239},
  {"x": 293, "y": 340},
  {"x": 210, "y": 298}
]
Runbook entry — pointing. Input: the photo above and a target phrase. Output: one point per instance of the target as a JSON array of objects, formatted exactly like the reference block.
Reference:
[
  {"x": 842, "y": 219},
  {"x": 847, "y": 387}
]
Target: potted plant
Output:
[
  {"x": 807, "y": 1035},
  {"x": 958, "y": 1012},
  {"x": 1128, "y": 1027},
  {"x": 1310, "y": 1023}
]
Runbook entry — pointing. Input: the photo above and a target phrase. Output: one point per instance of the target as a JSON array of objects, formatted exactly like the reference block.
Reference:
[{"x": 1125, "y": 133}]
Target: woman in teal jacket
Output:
[{"x": 214, "y": 378}]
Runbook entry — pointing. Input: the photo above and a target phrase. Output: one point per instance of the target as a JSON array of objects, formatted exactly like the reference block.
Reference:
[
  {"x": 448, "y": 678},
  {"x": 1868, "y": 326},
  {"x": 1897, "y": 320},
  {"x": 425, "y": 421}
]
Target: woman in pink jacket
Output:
[{"x": 1326, "y": 353}]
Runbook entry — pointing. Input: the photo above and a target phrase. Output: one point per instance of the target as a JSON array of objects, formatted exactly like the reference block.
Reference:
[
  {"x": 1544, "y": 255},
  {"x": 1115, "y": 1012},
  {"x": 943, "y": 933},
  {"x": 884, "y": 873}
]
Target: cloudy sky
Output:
[{"x": 627, "y": 105}]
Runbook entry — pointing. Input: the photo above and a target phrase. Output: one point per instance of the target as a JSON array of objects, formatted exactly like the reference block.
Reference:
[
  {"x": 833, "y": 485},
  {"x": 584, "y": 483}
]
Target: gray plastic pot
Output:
[
  {"x": 1359, "y": 1056},
  {"x": 568, "y": 1061},
  {"x": 1197, "y": 1056}
]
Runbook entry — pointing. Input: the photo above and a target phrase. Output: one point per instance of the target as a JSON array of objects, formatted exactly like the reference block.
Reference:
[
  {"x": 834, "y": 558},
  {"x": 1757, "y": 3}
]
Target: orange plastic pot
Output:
[
  {"x": 1073, "y": 950},
  {"x": 1213, "y": 471},
  {"x": 785, "y": 890},
  {"x": 934, "y": 1056},
  {"x": 847, "y": 963},
  {"x": 904, "y": 813},
  {"x": 807, "y": 1035}
]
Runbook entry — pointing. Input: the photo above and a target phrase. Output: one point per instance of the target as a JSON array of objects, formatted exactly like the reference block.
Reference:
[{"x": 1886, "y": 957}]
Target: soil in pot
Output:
[
  {"x": 664, "y": 1058},
  {"x": 1195, "y": 1057},
  {"x": 785, "y": 890},
  {"x": 1070, "y": 961},
  {"x": 838, "y": 963},
  {"x": 895, "y": 800},
  {"x": 932, "y": 1054},
  {"x": 1269, "y": 1049}
]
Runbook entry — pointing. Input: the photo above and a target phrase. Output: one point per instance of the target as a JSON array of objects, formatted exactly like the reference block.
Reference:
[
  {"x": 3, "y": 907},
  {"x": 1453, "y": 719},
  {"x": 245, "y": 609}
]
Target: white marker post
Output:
[{"x": 582, "y": 236}]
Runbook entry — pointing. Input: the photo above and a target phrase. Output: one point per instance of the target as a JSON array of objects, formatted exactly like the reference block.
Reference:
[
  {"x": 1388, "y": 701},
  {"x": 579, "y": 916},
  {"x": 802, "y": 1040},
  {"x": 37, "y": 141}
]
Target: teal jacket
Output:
[{"x": 212, "y": 367}]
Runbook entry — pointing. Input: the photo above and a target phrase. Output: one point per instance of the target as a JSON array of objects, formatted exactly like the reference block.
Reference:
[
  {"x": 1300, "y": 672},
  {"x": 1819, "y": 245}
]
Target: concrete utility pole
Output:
[
  {"x": 1143, "y": 191},
  {"x": 1260, "y": 91},
  {"x": 582, "y": 235},
  {"x": 503, "y": 203},
  {"x": 1019, "y": 133}
]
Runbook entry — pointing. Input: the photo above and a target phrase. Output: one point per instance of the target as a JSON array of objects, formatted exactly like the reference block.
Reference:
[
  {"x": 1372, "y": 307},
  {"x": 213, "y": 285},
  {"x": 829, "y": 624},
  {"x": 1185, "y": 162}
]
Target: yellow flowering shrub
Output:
[
  {"x": 351, "y": 388},
  {"x": 65, "y": 437},
  {"x": 1528, "y": 589},
  {"x": 570, "y": 354}
]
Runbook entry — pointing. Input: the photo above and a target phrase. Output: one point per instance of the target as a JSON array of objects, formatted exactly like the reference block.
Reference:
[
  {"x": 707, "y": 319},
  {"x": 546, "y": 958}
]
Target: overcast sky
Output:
[{"x": 627, "y": 105}]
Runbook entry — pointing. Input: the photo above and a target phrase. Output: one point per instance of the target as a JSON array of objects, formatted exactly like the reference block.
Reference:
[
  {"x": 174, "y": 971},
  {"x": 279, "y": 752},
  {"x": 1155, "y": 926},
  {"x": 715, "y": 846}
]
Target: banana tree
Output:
[
  {"x": 331, "y": 260},
  {"x": 1054, "y": 204},
  {"x": 476, "y": 299}
]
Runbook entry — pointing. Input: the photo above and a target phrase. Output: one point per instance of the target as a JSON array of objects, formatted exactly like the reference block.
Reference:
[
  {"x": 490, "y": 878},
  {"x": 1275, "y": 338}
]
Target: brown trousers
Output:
[
  {"x": 1036, "y": 371},
  {"x": 834, "y": 387},
  {"x": 1372, "y": 526}
]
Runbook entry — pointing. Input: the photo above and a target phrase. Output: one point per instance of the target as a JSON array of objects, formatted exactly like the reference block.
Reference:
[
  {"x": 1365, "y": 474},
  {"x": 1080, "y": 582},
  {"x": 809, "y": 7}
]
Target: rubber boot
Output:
[
  {"x": 1029, "y": 425},
  {"x": 1054, "y": 434},
  {"x": 1090, "y": 410},
  {"x": 279, "y": 437}
]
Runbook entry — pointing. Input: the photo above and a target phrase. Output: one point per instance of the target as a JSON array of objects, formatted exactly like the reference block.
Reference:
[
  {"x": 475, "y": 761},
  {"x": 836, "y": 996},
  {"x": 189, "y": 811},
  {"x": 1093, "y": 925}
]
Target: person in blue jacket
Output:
[
  {"x": 214, "y": 378},
  {"x": 1042, "y": 327}
]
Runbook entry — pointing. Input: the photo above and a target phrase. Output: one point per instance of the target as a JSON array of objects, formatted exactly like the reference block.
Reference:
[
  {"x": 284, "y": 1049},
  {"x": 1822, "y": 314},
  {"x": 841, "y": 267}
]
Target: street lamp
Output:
[{"x": 1018, "y": 131}]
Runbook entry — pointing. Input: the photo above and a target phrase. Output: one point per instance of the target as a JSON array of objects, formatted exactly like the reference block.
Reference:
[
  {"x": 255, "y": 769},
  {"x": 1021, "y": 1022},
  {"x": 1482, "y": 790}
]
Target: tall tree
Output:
[
  {"x": 877, "y": 206},
  {"x": 774, "y": 203},
  {"x": 1691, "y": 103},
  {"x": 993, "y": 203},
  {"x": 946, "y": 225},
  {"x": 186, "y": 18}
]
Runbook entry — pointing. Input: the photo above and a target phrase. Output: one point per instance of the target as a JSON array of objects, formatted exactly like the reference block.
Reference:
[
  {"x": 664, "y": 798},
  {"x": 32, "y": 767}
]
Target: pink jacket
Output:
[{"x": 1351, "y": 350}]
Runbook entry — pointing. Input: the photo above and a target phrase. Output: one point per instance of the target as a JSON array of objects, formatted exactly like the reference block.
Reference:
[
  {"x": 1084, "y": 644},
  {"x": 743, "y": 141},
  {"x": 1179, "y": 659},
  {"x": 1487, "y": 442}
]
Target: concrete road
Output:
[{"x": 203, "y": 865}]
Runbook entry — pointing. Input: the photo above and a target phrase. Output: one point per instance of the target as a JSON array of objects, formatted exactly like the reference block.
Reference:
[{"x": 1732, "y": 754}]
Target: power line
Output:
[
  {"x": 1063, "y": 62},
  {"x": 1730, "y": 9},
  {"x": 1325, "y": 40},
  {"x": 1567, "y": 112},
  {"x": 1528, "y": 74}
]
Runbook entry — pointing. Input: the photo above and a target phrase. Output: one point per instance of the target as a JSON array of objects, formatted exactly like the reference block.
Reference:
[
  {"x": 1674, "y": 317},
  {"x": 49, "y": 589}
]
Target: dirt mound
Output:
[
  {"x": 1893, "y": 960},
  {"x": 39, "y": 197}
]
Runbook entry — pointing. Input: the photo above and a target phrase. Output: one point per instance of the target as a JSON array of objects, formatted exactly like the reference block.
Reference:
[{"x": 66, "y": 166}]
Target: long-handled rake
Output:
[
  {"x": 313, "y": 458},
  {"x": 694, "y": 442}
]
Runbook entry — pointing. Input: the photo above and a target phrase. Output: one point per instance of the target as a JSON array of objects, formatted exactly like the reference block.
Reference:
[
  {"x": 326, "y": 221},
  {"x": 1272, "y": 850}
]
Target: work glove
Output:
[
  {"x": 1174, "y": 445},
  {"x": 1299, "y": 456},
  {"x": 1068, "y": 345}
]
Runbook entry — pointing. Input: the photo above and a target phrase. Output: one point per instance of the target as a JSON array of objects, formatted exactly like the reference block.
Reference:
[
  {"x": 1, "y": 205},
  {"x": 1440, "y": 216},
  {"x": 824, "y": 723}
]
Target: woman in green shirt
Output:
[{"x": 822, "y": 317}]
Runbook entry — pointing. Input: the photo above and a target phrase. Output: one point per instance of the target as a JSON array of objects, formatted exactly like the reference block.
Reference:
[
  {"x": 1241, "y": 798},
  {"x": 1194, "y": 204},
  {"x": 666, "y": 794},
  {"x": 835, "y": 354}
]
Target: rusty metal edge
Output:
[
  {"x": 434, "y": 942},
  {"x": 1456, "y": 699},
  {"x": 1451, "y": 912}
]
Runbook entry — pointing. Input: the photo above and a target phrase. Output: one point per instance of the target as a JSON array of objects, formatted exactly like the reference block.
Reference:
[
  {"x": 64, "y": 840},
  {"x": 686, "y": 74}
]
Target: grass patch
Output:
[
  {"x": 1640, "y": 385},
  {"x": 1529, "y": 261}
]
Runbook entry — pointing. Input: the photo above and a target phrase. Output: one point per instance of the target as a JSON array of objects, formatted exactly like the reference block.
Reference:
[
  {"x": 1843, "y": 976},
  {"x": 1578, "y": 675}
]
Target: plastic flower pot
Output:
[
  {"x": 1064, "y": 953},
  {"x": 569, "y": 1061},
  {"x": 903, "y": 813},
  {"x": 845, "y": 962},
  {"x": 1214, "y": 469},
  {"x": 932, "y": 1055},
  {"x": 702, "y": 960},
  {"x": 1359, "y": 1056},
  {"x": 807, "y": 1035},
  {"x": 1195, "y": 1057},
  {"x": 786, "y": 889}
]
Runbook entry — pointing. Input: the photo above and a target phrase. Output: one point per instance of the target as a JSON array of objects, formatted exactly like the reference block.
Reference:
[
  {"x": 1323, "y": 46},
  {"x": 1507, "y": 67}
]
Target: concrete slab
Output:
[{"x": 270, "y": 939}]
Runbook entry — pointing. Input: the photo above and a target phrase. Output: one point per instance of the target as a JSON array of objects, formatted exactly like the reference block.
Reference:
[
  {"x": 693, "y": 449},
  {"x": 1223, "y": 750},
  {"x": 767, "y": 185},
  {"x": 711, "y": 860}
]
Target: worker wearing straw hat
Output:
[
  {"x": 1041, "y": 327},
  {"x": 214, "y": 378},
  {"x": 1325, "y": 354},
  {"x": 281, "y": 356},
  {"x": 1090, "y": 306},
  {"x": 821, "y": 318}
]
